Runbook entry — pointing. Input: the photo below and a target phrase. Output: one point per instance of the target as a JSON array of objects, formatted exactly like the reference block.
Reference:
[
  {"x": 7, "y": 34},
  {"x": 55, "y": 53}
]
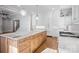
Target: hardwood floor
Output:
[{"x": 51, "y": 42}]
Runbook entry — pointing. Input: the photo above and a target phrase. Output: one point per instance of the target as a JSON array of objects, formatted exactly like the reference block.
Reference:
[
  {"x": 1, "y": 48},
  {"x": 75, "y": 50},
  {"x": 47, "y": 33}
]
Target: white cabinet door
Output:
[
  {"x": 69, "y": 44},
  {"x": 75, "y": 13}
]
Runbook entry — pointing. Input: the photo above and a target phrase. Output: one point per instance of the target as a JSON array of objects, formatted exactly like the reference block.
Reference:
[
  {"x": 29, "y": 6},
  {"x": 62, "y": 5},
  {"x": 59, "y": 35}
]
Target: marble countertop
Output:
[{"x": 17, "y": 36}]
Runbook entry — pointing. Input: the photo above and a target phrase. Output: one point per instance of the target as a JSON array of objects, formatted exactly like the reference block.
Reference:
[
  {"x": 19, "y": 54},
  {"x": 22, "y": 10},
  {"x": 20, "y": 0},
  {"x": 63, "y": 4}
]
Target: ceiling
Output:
[{"x": 42, "y": 9}]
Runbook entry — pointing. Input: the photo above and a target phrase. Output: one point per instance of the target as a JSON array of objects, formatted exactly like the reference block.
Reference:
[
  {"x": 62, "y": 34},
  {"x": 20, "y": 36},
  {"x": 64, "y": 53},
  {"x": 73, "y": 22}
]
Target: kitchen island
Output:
[{"x": 22, "y": 43}]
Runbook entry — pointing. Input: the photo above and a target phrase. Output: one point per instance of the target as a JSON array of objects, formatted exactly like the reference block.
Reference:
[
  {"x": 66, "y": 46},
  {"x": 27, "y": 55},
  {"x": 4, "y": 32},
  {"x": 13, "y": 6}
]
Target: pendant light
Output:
[
  {"x": 37, "y": 13},
  {"x": 23, "y": 12}
]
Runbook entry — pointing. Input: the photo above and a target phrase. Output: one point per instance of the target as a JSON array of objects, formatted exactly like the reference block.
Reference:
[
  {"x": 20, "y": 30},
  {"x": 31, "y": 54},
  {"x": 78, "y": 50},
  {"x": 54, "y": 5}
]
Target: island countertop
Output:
[{"x": 17, "y": 36}]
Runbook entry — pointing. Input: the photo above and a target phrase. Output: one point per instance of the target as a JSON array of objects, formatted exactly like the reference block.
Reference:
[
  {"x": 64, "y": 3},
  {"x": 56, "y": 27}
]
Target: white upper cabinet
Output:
[{"x": 75, "y": 14}]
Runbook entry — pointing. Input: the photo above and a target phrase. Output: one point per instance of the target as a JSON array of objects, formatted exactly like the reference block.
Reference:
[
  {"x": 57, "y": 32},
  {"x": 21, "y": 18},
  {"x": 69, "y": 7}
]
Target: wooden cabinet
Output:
[
  {"x": 37, "y": 41},
  {"x": 3, "y": 45},
  {"x": 34, "y": 44},
  {"x": 31, "y": 43},
  {"x": 12, "y": 46},
  {"x": 23, "y": 45}
]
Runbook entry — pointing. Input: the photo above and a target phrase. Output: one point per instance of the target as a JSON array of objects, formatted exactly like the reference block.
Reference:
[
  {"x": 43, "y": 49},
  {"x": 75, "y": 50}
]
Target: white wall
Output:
[
  {"x": 42, "y": 21},
  {"x": 24, "y": 24}
]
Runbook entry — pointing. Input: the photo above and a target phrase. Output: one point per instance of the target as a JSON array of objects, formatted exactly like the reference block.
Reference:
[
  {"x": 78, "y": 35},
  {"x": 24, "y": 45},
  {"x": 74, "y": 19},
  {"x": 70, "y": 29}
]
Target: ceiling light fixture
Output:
[
  {"x": 23, "y": 12},
  {"x": 37, "y": 17},
  {"x": 37, "y": 12}
]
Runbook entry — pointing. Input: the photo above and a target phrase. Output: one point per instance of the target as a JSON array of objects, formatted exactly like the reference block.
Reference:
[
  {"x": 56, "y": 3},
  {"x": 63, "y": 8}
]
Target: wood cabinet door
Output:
[
  {"x": 24, "y": 46},
  {"x": 34, "y": 44},
  {"x": 37, "y": 41},
  {"x": 4, "y": 44}
]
